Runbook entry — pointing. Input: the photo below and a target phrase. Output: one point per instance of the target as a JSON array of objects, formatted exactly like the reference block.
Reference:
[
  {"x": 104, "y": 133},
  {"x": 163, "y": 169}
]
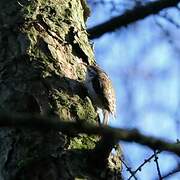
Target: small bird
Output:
[{"x": 101, "y": 91}]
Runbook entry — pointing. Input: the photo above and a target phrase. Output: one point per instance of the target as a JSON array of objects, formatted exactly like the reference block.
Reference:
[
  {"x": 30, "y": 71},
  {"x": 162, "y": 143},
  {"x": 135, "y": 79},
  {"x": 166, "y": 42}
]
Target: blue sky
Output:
[{"x": 144, "y": 66}]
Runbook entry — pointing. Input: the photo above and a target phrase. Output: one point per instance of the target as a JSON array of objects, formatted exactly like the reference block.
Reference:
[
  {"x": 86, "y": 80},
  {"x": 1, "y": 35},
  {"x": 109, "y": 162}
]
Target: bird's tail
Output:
[{"x": 105, "y": 117}]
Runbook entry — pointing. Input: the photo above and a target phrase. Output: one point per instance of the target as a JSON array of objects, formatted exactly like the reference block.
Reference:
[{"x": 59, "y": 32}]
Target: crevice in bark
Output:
[{"x": 43, "y": 45}]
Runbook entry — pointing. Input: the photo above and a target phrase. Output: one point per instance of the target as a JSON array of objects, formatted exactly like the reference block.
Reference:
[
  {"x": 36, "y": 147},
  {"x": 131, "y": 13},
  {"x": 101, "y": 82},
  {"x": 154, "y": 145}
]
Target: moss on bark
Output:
[{"x": 43, "y": 45}]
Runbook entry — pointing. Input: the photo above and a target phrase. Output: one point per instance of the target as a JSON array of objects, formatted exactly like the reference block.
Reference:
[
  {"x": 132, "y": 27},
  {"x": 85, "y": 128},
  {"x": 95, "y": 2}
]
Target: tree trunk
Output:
[{"x": 43, "y": 48}]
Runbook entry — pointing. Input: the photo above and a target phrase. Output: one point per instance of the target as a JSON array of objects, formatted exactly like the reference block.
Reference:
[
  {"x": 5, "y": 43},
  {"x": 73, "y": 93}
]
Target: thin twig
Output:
[
  {"x": 172, "y": 172},
  {"x": 170, "y": 20},
  {"x": 145, "y": 162},
  {"x": 128, "y": 169},
  {"x": 157, "y": 165}
]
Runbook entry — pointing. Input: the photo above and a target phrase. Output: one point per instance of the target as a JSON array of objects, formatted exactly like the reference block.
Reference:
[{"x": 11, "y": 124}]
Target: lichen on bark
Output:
[{"x": 43, "y": 45}]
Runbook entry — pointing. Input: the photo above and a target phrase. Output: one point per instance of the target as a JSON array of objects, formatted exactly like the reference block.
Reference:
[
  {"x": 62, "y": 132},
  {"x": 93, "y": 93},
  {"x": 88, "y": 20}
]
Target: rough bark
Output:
[{"x": 43, "y": 45}]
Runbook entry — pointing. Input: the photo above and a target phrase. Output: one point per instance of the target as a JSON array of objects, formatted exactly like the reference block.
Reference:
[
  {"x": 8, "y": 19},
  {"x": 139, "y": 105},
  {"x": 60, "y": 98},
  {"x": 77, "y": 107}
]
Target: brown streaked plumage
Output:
[{"x": 101, "y": 91}]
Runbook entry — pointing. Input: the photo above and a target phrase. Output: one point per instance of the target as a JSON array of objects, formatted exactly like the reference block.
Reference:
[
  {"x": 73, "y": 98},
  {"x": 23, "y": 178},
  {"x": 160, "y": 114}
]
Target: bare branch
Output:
[
  {"x": 131, "y": 16},
  {"x": 143, "y": 164},
  {"x": 157, "y": 165},
  {"x": 133, "y": 173},
  {"x": 171, "y": 173},
  {"x": 170, "y": 20},
  {"x": 41, "y": 122}
]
